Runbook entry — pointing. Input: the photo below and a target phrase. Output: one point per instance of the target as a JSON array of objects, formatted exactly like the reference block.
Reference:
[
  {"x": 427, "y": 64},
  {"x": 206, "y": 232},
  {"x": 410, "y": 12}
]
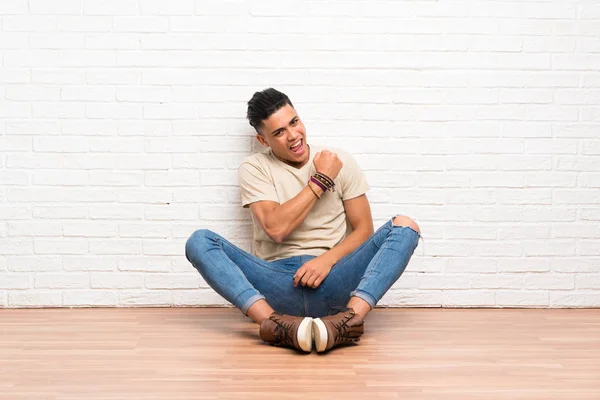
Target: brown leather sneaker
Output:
[
  {"x": 288, "y": 331},
  {"x": 345, "y": 327}
]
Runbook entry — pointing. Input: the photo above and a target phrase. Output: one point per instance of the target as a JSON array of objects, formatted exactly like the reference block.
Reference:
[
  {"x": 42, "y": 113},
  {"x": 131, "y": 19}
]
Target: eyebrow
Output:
[{"x": 283, "y": 127}]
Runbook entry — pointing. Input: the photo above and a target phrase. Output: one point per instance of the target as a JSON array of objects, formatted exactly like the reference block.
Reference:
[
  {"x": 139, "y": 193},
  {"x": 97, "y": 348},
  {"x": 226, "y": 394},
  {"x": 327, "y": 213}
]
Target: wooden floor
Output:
[{"x": 198, "y": 353}]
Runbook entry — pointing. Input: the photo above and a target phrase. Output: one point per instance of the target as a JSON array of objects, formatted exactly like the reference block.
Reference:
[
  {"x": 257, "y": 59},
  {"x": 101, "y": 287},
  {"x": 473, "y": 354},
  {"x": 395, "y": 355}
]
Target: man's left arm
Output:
[{"x": 358, "y": 212}]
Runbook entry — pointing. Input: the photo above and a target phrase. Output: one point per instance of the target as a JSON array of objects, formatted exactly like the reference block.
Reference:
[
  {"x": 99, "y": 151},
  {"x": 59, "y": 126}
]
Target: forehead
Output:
[{"x": 280, "y": 118}]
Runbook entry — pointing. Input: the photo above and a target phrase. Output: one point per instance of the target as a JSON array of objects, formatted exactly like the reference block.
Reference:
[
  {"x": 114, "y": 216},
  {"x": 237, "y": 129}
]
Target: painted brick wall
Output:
[{"x": 123, "y": 126}]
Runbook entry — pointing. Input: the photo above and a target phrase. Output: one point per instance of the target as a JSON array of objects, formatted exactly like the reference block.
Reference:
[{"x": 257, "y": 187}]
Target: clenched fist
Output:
[{"x": 328, "y": 163}]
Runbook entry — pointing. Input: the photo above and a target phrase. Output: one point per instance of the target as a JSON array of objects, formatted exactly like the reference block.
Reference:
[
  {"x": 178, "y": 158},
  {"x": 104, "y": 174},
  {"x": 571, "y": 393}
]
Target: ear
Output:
[{"x": 262, "y": 140}]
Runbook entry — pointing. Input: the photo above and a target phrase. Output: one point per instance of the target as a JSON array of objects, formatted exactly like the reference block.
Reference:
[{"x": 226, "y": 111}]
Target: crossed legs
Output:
[{"x": 261, "y": 310}]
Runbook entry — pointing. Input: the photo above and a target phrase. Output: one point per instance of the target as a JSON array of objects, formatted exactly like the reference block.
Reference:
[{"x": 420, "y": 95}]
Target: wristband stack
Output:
[{"x": 322, "y": 181}]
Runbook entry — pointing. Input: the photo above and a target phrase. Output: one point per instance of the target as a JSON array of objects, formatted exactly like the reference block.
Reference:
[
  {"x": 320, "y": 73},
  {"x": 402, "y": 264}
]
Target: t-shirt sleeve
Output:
[
  {"x": 255, "y": 185},
  {"x": 353, "y": 180}
]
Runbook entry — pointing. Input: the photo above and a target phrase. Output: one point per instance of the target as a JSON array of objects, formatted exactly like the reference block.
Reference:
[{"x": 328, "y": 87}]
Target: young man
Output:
[{"x": 318, "y": 268}]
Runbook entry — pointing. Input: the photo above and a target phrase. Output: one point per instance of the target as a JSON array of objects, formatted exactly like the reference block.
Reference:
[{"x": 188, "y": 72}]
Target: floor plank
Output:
[{"x": 204, "y": 353}]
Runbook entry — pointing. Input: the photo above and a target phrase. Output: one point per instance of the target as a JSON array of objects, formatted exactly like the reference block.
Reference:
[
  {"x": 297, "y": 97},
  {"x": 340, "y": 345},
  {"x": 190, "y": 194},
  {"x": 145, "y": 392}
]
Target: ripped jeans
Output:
[{"x": 242, "y": 279}]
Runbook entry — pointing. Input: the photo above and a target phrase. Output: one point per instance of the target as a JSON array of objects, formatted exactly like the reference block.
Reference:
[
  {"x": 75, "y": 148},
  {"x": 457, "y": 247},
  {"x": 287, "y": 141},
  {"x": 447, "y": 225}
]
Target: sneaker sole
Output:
[
  {"x": 305, "y": 334},
  {"x": 320, "y": 333}
]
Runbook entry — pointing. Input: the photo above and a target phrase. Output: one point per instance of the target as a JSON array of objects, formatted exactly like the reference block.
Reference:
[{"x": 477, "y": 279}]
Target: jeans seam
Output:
[
  {"x": 378, "y": 254},
  {"x": 304, "y": 301}
]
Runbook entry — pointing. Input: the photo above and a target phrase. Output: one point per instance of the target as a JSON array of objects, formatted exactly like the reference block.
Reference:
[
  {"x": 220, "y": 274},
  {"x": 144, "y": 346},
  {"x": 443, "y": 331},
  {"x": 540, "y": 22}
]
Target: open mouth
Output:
[{"x": 298, "y": 147}]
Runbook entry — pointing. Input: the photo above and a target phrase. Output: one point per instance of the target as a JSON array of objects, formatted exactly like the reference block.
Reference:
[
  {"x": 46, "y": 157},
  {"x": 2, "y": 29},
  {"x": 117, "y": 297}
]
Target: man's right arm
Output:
[{"x": 279, "y": 220}]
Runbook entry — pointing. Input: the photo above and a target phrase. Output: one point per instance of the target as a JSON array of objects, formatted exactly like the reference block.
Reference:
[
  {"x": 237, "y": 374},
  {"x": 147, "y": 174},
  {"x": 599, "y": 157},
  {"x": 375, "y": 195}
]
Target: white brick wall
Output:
[{"x": 123, "y": 125}]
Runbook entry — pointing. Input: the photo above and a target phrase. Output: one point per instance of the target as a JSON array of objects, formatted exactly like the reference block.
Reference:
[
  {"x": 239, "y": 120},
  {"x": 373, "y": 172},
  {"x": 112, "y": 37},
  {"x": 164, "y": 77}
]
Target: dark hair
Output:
[{"x": 263, "y": 104}]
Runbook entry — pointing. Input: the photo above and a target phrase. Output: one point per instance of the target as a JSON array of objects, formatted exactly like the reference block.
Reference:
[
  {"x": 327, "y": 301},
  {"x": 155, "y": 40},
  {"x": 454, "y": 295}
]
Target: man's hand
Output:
[
  {"x": 328, "y": 163},
  {"x": 313, "y": 272}
]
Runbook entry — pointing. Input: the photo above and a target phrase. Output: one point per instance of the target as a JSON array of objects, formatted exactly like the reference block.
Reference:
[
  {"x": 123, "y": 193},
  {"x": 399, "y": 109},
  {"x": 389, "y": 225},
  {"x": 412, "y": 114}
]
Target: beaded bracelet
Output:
[
  {"x": 318, "y": 183},
  {"x": 325, "y": 177},
  {"x": 325, "y": 184},
  {"x": 325, "y": 180}
]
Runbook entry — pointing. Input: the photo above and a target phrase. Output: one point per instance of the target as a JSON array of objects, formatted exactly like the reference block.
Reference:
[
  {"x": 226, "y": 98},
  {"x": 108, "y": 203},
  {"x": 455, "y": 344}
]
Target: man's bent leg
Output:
[
  {"x": 372, "y": 268},
  {"x": 237, "y": 276},
  {"x": 389, "y": 262},
  {"x": 241, "y": 278},
  {"x": 360, "y": 304}
]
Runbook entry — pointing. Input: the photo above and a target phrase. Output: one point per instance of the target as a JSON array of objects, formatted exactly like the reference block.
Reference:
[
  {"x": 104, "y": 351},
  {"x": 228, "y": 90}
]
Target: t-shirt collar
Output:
[{"x": 312, "y": 149}]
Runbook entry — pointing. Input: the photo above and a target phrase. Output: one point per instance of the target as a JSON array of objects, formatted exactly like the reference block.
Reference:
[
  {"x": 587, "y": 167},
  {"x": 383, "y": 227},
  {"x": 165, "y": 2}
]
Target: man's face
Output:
[{"x": 284, "y": 133}]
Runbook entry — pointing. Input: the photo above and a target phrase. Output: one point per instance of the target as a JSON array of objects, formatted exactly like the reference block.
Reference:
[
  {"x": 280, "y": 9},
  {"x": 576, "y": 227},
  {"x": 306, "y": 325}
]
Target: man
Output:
[{"x": 318, "y": 267}]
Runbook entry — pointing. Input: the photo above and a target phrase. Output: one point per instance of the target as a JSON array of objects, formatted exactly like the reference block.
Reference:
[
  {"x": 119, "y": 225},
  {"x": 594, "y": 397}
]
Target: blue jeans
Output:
[{"x": 242, "y": 279}]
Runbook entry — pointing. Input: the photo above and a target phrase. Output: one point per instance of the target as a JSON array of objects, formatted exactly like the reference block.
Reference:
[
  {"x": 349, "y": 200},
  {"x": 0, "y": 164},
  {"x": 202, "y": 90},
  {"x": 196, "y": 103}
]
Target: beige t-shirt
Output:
[{"x": 264, "y": 177}]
